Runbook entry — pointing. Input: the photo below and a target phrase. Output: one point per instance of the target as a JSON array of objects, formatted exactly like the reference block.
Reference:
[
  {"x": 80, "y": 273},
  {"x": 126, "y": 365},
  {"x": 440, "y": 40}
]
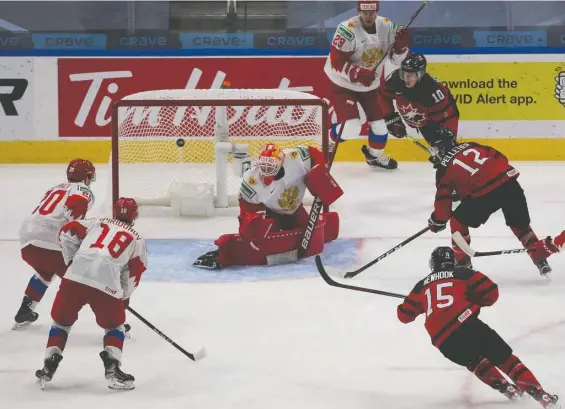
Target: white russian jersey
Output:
[
  {"x": 110, "y": 257},
  {"x": 364, "y": 50},
  {"x": 285, "y": 195},
  {"x": 60, "y": 204}
]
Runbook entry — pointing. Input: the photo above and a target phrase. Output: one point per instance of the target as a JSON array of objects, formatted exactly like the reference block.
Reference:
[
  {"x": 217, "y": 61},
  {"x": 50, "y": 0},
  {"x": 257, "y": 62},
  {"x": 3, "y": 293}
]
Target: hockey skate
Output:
[
  {"x": 382, "y": 161},
  {"x": 545, "y": 399},
  {"x": 208, "y": 260},
  {"x": 511, "y": 391},
  {"x": 544, "y": 268},
  {"x": 25, "y": 314},
  {"x": 50, "y": 366},
  {"x": 116, "y": 378}
]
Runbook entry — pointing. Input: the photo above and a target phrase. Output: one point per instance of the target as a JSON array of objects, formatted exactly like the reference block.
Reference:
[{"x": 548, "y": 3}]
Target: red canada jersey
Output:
[
  {"x": 472, "y": 170},
  {"x": 448, "y": 298},
  {"x": 427, "y": 106}
]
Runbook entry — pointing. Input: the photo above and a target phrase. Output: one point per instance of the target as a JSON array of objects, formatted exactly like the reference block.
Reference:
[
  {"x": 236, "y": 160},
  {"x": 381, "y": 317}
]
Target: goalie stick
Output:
[
  {"x": 195, "y": 357},
  {"x": 316, "y": 209},
  {"x": 333, "y": 283},
  {"x": 407, "y": 25},
  {"x": 463, "y": 245}
]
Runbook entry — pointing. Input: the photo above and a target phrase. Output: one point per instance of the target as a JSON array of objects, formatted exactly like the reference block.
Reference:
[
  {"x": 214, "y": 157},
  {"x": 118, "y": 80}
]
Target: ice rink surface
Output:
[{"x": 279, "y": 337}]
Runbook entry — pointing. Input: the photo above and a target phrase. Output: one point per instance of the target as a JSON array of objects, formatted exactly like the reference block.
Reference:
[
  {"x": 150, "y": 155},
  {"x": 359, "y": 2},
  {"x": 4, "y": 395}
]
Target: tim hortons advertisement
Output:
[{"x": 89, "y": 87}]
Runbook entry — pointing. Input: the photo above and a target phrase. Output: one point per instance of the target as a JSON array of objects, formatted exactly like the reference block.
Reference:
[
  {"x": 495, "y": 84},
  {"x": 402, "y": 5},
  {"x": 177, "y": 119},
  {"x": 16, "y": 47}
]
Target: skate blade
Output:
[
  {"x": 23, "y": 325},
  {"x": 41, "y": 383},
  {"x": 120, "y": 386}
]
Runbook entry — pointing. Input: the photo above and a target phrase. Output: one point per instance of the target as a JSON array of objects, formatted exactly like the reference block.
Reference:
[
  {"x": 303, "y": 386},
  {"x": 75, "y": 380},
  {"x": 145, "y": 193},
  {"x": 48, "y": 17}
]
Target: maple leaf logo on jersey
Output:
[
  {"x": 411, "y": 115},
  {"x": 289, "y": 198}
]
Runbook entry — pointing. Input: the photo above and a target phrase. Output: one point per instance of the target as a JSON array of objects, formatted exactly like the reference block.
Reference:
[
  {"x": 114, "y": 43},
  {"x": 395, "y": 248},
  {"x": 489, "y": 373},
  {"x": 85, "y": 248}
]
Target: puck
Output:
[{"x": 180, "y": 142}]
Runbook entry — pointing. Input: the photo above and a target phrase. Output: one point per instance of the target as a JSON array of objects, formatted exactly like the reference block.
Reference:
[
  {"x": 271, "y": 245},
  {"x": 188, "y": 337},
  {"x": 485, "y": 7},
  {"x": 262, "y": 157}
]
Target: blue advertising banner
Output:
[
  {"x": 68, "y": 41},
  {"x": 14, "y": 41},
  {"x": 216, "y": 40},
  {"x": 143, "y": 40},
  {"x": 514, "y": 38},
  {"x": 291, "y": 39},
  {"x": 556, "y": 36},
  {"x": 441, "y": 37}
]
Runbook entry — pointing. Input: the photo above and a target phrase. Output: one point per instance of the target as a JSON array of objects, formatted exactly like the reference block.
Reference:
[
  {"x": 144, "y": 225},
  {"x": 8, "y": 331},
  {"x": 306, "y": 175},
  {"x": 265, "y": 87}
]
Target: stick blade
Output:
[
  {"x": 462, "y": 243},
  {"x": 326, "y": 273},
  {"x": 200, "y": 354}
]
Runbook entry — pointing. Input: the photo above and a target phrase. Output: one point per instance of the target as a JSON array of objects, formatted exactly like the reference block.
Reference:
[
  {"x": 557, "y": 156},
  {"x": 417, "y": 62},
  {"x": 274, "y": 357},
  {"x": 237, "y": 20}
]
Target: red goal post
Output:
[{"x": 167, "y": 143}]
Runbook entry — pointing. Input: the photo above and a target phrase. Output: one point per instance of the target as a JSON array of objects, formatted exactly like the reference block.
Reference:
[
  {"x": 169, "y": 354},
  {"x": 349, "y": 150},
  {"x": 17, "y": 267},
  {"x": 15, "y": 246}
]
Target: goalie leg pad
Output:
[
  {"x": 323, "y": 185},
  {"x": 234, "y": 251}
]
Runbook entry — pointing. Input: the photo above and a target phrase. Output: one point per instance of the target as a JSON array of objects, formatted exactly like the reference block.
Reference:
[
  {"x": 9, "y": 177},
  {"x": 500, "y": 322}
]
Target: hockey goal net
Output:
[{"x": 171, "y": 142}]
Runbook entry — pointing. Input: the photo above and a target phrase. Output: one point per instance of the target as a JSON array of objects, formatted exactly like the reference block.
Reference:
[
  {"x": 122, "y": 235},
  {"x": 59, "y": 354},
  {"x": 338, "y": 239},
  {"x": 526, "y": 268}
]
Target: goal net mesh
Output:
[{"x": 170, "y": 136}]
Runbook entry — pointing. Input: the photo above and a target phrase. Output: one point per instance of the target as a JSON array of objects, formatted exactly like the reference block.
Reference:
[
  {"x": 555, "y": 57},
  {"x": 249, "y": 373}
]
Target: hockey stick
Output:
[
  {"x": 195, "y": 357},
  {"x": 463, "y": 245},
  {"x": 418, "y": 143},
  {"x": 351, "y": 274},
  {"x": 333, "y": 283},
  {"x": 316, "y": 208},
  {"x": 407, "y": 25}
]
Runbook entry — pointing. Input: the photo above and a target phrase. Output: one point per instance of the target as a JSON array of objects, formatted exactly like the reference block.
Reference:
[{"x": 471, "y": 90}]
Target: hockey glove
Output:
[
  {"x": 401, "y": 41},
  {"x": 395, "y": 126},
  {"x": 362, "y": 75},
  {"x": 436, "y": 225},
  {"x": 543, "y": 249}
]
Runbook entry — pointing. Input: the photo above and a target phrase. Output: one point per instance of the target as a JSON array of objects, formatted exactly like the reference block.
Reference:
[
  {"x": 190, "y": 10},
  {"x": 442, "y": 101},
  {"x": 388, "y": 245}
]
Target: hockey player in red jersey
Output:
[
  {"x": 423, "y": 102},
  {"x": 452, "y": 298},
  {"x": 358, "y": 45},
  {"x": 106, "y": 259},
  {"x": 40, "y": 230},
  {"x": 272, "y": 217},
  {"x": 486, "y": 183}
]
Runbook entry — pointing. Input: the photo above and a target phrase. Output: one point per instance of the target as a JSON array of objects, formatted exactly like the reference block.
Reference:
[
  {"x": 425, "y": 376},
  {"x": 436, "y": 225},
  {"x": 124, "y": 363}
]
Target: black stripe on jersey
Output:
[
  {"x": 450, "y": 323},
  {"x": 443, "y": 197},
  {"x": 488, "y": 290},
  {"x": 478, "y": 283},
  {"x": 493, "y": 180},
  {"x": 410, "y": 302}
]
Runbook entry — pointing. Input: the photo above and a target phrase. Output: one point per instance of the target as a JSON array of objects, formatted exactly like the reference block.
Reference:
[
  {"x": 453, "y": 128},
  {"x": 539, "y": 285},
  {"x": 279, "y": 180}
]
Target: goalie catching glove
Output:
[{"x": 322, "y": 185}]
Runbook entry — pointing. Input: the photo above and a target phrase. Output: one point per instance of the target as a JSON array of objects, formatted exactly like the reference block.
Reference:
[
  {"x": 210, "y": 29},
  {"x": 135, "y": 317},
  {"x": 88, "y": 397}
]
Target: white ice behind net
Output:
[{"x": 162, "y": 145}]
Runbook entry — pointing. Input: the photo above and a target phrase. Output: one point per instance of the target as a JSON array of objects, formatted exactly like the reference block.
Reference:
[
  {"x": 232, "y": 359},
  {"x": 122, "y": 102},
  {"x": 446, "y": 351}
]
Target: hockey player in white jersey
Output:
[
  {"x": 106, "y": 258},
  {"x": 39, "y": 233},
  {"x": 272, "y": 218},
  {"x": 357, "y": 47}
]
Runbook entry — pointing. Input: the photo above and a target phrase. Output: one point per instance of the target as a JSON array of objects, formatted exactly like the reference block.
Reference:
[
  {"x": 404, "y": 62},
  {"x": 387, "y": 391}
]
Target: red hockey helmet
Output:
[
  {"x": 81, "y": 170},
  {"x": 270, "y": 160},
  {"x": 368, "y": 5},
  {"x": 126, "y": 210}
]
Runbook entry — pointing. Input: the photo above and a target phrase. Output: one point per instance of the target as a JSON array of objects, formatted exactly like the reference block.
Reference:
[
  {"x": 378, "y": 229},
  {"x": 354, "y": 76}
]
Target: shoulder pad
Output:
[
  {"x": 300, "y": 151},
  {"x": 249, "y": 183},
  {"x": 83, "y": 190},
  {"x": 346, "y": 32},
  {"x": 383, "y": 21}
]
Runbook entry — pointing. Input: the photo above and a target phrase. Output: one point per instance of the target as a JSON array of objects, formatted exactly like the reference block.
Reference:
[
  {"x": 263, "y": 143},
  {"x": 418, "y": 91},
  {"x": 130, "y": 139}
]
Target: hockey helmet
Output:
[
  {"x": 126, "y": 210},
  {"x": 414, "y": 63},
  {"x": 368, "y": 5},
  {"x": 442, "y": 259},
  {"x": 443, "y": 141},
  {"x": 270, "y": 160},
  {"x": 81, "y": 170}
]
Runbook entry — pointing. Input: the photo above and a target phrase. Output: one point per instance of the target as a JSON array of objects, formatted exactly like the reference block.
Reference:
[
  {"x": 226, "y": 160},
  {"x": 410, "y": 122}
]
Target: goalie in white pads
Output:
[
  {"x": 39, "y": 233},
  {"x": 358, "y": 45},
  {"x": 106, "y": 259},
  {"x": 272, "y": 218}
]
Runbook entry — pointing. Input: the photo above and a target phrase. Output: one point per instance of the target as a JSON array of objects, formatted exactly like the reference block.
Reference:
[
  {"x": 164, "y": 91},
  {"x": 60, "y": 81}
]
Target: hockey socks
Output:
[
  {"x": 520, "y": 374},
  {"x": 58, "y": 335},
  {"x": 526, "y": 236},
  {"x": 36, "y": 289},
  {"x": 488, "y": 374},
  {"x": 114, "y": 342}
]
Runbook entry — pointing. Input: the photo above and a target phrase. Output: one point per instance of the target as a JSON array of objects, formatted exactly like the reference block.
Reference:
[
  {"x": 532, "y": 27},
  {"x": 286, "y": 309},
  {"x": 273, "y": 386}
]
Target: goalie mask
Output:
[{"x": 270, "y": 161}]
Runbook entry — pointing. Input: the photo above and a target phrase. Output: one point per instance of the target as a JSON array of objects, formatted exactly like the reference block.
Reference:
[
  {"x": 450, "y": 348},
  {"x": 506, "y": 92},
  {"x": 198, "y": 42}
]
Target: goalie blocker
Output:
[{"x": 272, "y": 218}]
